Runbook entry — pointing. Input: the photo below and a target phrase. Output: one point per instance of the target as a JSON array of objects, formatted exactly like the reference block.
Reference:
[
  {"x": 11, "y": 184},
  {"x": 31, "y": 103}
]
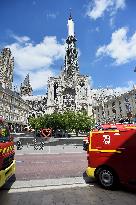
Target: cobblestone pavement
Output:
[{"x": 68, "y": 195}]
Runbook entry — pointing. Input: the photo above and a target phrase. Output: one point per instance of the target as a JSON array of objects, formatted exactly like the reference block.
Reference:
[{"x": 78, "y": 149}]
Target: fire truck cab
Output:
[
  {"x": 111, "y": 155},
  {"x": 7, "y": 152}
]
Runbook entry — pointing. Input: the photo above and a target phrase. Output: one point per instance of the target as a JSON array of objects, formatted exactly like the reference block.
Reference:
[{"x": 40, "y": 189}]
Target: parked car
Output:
[
  {"x": 59, "y": 133},
  {"x": 28, "y": 129}
]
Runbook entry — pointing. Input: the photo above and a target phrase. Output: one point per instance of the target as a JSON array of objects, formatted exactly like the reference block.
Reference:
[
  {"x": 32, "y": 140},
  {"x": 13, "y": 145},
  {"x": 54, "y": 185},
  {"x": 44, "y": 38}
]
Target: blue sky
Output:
[{"x": 36, "y": 31}]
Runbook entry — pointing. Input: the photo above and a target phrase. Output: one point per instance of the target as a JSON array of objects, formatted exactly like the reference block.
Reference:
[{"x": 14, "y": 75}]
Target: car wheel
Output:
[{"x": 107, "y": 178}]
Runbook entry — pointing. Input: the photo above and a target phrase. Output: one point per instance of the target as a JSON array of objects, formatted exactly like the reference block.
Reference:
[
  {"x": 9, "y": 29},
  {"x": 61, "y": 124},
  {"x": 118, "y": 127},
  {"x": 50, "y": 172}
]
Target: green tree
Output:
[
  {"x": 82, "y": 122},
  {"x": 32, "y": 122},
  {"x": 69, "y": 121}
]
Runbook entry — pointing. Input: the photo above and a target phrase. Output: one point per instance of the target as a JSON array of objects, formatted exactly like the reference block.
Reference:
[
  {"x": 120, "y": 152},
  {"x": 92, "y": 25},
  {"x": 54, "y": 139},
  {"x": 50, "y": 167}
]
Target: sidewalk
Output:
[
  {"x": 73, "y": 192},
  {"x": 58, "y": 149},
  {"x": 44, "y": 184}
]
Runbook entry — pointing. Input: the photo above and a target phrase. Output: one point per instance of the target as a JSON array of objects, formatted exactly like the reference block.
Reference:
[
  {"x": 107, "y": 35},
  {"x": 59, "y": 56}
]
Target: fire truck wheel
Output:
[
  {"x": 107, "y": 178},
  {"x": 86, "y": 178}
]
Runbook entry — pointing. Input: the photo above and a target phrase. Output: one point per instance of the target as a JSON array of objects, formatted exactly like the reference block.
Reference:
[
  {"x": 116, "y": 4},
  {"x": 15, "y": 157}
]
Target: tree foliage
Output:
[{"x": 69, "y": 121}]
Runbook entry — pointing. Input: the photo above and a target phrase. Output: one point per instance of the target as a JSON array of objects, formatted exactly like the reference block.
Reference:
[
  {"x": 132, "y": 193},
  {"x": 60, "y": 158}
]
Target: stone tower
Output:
[
  {"x": 6, "y": 68},
  {"x": 71, "y": 65},
  {"x": 26, "y": 88},
  {"x": 70, "y": 91}
]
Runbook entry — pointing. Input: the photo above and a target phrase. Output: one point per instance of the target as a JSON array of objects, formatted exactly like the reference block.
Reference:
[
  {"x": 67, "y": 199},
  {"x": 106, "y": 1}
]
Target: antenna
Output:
[{"x": 70, "y": 16}]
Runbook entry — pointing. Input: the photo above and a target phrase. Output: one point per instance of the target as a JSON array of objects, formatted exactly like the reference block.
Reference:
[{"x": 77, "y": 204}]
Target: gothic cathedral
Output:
[{"x": 70, "y": 91}]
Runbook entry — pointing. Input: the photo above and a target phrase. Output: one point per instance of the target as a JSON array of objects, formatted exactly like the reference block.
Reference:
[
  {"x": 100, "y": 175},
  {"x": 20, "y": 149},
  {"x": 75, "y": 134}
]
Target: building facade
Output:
[
  {"x": 12, "y": 107},
  {"x": 117, "y": 108},
  {"x": 38, "y": 104},
  {"x": 71, "y": 90}
]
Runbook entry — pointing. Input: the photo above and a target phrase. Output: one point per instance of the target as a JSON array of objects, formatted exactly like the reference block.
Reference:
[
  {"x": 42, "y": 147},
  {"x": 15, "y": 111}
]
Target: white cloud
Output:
[
  {"x": 20, "y": 39},
  {"x": 39, "y": 79},
  {"x": 97, "y": 8},
  {"x": 36, "y": 59},
  {"x": 120, "y": 4},
  {"x": 30, "y": 56},
  {"x": 90, "y": 81},
  {"x": 51, "y": 15},
  {"x": 128, "y": 87},
  {"x": 121, "y": 48},
  {"x": 112, "y": 22},
  {"x": 109, "y": 92}
]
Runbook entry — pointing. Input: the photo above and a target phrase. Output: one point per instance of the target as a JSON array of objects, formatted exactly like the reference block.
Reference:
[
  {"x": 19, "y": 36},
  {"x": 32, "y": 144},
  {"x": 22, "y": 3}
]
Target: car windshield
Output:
[{"x": 4, "y": 133}]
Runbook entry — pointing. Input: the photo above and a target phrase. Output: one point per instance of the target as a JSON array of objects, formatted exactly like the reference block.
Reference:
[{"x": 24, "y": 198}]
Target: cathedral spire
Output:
[
  {"x": 25, "y": 87},
  {"x": 70, "y": 16},
  {"x": 70, "y": 26},
  {"x": 71, "y": 65}
]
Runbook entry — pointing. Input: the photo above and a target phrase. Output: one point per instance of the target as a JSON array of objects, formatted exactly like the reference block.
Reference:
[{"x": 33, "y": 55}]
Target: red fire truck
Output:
[
  {"x": 111, "y": 155},
  {"x": 7, "y": 162}
]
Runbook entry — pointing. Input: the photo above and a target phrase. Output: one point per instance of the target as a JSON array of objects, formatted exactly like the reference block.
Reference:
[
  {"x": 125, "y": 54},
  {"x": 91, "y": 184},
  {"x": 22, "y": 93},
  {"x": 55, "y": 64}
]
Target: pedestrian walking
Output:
[
  {"x": 41, "y": 146},
  {"x": 35, "y": 145},
  {"x": 19, "y": 145}
]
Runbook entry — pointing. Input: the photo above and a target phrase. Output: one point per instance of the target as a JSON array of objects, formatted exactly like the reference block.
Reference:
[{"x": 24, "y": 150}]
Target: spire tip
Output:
[{"x": 70, "y": 16}]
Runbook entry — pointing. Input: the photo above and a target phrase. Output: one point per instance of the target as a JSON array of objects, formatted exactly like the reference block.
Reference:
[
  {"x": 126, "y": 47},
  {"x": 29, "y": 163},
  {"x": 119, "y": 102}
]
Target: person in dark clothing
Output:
[
  {"x": 19, "y": 145},
  {"x": 4, "y": 131}
]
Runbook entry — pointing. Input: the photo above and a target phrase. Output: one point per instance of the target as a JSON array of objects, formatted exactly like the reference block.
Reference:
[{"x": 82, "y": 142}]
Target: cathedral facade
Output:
[{"x": 71, "y": 90}]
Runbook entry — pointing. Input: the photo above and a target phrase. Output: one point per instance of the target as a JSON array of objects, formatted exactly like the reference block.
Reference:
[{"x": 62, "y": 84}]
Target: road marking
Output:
[
  {"x": 38, "y": 162},
  {"x": 66, "y": 161},
  {"x": 48, "y": 188},
  {"x": 35, "y": 153},
  {"x": 18, "y": 161},
  {"x": 49, "y": 149}
]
